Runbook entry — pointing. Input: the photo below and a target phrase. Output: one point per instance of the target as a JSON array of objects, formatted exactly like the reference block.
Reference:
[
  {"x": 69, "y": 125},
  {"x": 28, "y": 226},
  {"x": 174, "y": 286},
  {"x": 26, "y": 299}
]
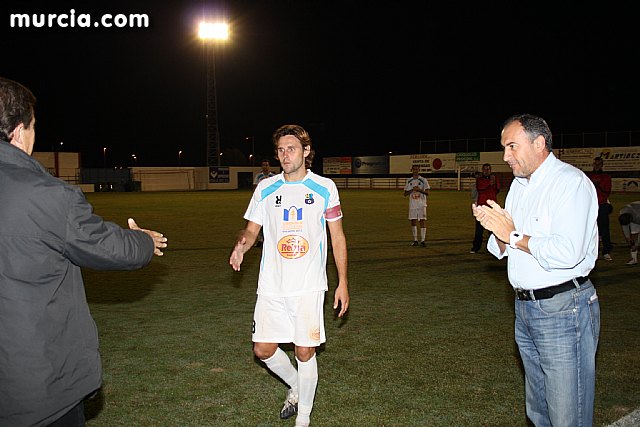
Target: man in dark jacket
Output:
[{"x": 49, "y": 359}]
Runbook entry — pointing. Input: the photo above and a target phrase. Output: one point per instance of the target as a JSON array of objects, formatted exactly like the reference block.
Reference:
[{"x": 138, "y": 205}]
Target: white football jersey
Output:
[
  {"x": 417, "y": 200},
  {"x": 294, "y": 219}
]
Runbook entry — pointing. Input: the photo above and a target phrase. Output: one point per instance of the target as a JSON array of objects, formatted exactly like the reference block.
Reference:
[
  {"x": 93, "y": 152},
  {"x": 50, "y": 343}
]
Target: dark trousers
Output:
[
  {"x": 73, "y": 418},
  {"x": 603, "y": 227},
  {"x": 479, "y": 236}
]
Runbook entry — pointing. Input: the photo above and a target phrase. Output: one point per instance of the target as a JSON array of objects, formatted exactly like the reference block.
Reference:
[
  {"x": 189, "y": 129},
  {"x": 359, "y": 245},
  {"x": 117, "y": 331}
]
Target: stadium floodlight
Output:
[{"x": 213, "y": 31}]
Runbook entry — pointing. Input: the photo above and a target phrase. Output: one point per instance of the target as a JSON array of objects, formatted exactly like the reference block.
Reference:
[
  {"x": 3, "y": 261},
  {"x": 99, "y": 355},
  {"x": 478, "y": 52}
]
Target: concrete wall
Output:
[{"x": 189, "y": 178}]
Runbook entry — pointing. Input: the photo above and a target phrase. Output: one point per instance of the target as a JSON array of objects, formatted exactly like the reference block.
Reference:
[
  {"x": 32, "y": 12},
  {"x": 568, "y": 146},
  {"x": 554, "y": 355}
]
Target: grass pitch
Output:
[{"x": 428, "y": 340}]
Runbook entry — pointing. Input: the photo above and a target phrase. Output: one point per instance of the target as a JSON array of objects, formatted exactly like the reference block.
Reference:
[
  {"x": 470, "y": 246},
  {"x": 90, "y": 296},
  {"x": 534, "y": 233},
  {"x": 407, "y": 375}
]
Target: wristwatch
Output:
[{"x": 515, "y": 237}]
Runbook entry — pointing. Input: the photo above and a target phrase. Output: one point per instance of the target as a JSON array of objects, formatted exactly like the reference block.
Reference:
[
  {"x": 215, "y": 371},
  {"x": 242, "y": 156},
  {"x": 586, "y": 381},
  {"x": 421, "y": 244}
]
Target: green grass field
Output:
[{"x": 428, "y": 340}]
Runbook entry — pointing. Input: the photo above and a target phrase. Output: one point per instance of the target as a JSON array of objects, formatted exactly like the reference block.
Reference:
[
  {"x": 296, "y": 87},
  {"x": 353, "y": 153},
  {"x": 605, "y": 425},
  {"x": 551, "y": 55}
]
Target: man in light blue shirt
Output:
[{"x": 548, "y": 230}]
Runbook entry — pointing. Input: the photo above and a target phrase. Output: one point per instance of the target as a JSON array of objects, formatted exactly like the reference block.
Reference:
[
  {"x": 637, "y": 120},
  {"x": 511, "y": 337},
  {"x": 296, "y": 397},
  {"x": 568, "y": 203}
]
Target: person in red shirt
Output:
[
  {"x": 602, "y": 182},
  {"x": 488, "y": 187}
]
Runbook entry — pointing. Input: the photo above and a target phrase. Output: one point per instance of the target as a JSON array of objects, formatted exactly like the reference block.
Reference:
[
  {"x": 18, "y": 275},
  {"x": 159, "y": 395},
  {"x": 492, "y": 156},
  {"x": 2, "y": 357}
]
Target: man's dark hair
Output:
[
  {"x": 16, "y": 106},
  {"x": 624, "y": 219},
  {"x": 533, "y": 126}
]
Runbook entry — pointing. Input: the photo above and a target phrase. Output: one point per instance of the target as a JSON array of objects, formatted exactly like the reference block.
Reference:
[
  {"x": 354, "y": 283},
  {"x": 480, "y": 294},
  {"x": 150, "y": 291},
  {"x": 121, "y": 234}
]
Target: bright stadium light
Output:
[{"x": 213, "y": 31}]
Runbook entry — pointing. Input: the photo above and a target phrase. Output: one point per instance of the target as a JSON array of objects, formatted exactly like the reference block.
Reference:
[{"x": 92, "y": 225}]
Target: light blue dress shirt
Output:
[{"x": 558, "y": 208}]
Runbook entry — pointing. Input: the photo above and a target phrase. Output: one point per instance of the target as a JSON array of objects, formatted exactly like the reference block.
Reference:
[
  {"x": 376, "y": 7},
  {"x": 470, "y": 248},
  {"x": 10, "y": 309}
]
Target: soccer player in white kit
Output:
[
  {"x": 294, "y": 209},
  {"x": 417, "y": 188}
]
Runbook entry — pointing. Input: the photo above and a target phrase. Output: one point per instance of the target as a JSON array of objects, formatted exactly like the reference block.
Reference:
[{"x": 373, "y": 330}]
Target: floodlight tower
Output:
[{"x": 211, "y": 33}]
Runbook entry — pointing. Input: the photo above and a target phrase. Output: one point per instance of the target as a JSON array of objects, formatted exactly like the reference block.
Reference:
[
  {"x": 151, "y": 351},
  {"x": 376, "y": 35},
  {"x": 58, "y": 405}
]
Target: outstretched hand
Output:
[
  {"x": 237, "y": 253},
  {"x": 159, "y": 241}
]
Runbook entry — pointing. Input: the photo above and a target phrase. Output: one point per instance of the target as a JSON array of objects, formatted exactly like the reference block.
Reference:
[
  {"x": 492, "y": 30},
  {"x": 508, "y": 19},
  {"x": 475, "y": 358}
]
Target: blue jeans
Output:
[{"x": 557, "y": 338}]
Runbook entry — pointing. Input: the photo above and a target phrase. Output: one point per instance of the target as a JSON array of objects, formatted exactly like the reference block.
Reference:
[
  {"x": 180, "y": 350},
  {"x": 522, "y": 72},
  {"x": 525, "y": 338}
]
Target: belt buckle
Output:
[{"x": 523, "y": 294}]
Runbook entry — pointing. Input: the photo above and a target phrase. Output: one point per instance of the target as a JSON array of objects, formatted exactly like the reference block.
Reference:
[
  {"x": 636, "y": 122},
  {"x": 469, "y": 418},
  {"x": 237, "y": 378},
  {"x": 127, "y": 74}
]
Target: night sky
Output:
[{"x": 363, "y": 79}]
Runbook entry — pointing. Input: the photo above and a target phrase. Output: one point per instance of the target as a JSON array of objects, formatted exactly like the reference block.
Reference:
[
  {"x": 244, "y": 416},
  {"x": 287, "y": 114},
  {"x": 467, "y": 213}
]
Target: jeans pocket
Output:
[
  {"x": 594, "y": 314},
  {"x": 558, "y": 305}
]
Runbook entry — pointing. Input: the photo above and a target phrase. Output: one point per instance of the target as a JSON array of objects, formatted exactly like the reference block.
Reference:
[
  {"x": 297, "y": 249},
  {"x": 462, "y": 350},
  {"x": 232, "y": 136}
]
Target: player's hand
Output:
[
  {"x": 341, "y": 300},
  {"x": 237, "y": 254},
  {"x": 159, "y": 241}
]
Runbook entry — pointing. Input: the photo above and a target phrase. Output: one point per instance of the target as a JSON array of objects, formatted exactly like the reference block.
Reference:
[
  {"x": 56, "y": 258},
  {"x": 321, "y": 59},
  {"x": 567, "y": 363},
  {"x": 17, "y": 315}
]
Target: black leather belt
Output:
[{"x": 544, "y": 293}]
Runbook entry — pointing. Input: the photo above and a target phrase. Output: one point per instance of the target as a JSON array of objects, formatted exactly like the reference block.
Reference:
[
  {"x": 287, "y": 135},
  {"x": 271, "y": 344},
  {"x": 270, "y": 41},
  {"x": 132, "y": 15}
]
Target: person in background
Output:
[
  {"x": 265, "y": 173},
  {"x": 49, "y": 356},
  {"x": 629, "y": 220},
  {"x": 417, "y": 188},
  {"x": 602, "y": 182},
  {"x": 548, "y": 232},
  {"x": 474, "y": 188},
  {"x": 487, "y": 186},
  {"x": 294, "y": 208}
]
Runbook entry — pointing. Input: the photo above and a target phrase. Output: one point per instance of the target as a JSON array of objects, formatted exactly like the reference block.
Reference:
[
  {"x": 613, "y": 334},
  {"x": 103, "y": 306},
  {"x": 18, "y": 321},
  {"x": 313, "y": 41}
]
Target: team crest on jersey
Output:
[
  {"x": 292, "y": 220},
  {"x": 308, "y": 199},
  {"x": 293, "y": 247},
  {"x": 292, "y": 214}
]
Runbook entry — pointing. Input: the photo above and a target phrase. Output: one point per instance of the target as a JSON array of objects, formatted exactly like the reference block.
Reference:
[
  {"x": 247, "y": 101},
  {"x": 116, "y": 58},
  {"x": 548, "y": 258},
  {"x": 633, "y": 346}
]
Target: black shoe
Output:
[
  {"x": 290, "y": 407},
  {"x": 415, "y": 243},
  {"x": 423, "y": 244}
]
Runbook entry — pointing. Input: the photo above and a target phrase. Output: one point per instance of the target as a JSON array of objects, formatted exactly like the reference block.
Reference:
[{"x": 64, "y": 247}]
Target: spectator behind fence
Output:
[{"x": 49, "y": 357}]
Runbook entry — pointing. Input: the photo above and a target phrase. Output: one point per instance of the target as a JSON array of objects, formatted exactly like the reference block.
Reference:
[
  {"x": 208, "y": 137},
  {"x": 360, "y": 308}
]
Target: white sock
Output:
[
  {"x": 281, "y": 365},
  {"x": 307, "y": 382},
  {"x": 634, "y": 255},
  {"x": 423, "y": 233},
  {"x": 414, "y": 231}
]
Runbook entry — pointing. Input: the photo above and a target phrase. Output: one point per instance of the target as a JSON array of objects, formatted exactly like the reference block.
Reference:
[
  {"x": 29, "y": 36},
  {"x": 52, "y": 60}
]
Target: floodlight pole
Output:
[
  {"x": 213, "y": 133},
  {"x": 210, "y": 33}
]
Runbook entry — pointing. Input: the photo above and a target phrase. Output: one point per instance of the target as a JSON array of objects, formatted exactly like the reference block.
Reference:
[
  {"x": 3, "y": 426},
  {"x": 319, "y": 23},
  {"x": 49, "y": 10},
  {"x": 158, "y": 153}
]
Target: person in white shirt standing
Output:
[
  {"x": 417, "y": 188},
  {"x": 548, "y": 229},
  {"x": 294, "y": 209}
]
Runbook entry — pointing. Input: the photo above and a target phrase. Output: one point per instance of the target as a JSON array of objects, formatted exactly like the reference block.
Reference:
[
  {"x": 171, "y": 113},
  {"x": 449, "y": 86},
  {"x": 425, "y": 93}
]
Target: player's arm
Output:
[
  {"x": 246, "y": 239},
  {"x": 339, "y": 245}
]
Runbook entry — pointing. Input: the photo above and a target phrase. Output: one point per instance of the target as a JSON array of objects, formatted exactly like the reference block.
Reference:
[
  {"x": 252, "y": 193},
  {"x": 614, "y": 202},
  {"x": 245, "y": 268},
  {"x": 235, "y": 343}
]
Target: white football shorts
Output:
[
  {"x": 419, "y": 213},
  {"x": 630, "y": 229},
  {"x": 298, "y": 319}
]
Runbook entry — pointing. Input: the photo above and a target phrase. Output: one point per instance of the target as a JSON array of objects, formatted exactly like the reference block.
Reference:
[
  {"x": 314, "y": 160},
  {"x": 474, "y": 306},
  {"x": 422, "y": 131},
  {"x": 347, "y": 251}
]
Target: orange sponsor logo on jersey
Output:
[{"x": 292, "y": 247}]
